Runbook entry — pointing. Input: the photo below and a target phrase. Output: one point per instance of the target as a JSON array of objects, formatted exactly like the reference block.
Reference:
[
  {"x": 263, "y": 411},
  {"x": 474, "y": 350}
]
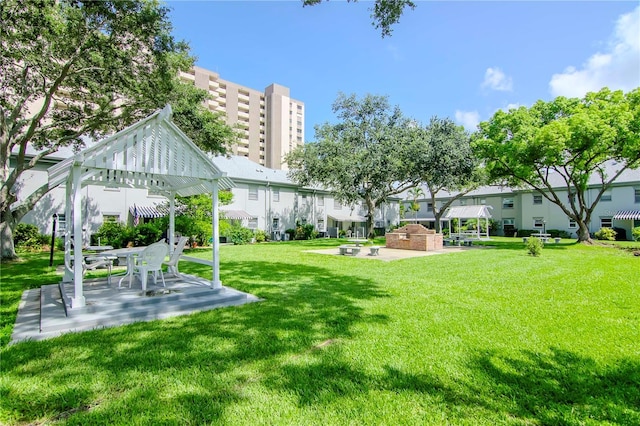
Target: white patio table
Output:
[{"x": 129, "y": 253}]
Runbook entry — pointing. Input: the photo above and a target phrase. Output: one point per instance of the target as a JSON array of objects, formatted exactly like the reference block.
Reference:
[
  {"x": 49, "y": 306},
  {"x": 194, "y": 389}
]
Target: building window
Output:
[
  {"x": 275, "y": 223},
  {"x": 253, "y": 192},
  {"x": 429, "y": 207},
  {"x": 538, "y": 223},
  {"x": 507, "y": 203},
  {"x": 606, "y": 195},
  {"x": 508, "y": 222},
  {"x": 537, "y": 199},
  {"x": 337, "y": 205},
  {"x": 636, "y": 194},
  {"x": 571, "y": 197},
  {"x": 321, "y": 200},
  {"x": 606, "y": 222},
  {"x": 110, "y": 218},
  {"x": 275, "y": 194},
  {"x": 573, "y": 224},
  {"x": 304, "y": 198},
  {"x": 483, "y": 201},
  {"x": 321, "y": 225},
  {"x": 253, "y": 223}
]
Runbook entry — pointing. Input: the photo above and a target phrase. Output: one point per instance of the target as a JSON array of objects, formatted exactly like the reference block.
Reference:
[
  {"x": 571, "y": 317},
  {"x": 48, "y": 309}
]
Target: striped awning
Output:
[
  {"x": 236, "y": 214},
  {"x": 147, "y": 212},
  {"x": 627, "y": 215},
  {"x": 348, "y": 218}
]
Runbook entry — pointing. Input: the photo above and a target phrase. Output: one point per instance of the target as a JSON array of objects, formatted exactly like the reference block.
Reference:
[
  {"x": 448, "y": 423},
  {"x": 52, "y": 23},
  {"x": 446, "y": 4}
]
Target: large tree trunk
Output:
[
  {"x": 583, "y": 233},
  {"x": 7, "y": 226},
  {"x": 370, "y": 211}
]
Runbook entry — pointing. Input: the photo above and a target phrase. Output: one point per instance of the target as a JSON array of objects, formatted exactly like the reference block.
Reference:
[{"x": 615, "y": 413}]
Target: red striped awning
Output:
[{"x": 627, "y": 215}]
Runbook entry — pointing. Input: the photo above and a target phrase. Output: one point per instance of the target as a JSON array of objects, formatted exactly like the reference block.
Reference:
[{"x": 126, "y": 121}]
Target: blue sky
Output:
[{"x": 463, "y": 60}]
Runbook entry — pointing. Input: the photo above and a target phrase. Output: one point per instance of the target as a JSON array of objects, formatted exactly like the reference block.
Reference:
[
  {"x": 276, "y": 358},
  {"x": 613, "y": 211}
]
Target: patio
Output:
[{"x": 43, "y": 312}]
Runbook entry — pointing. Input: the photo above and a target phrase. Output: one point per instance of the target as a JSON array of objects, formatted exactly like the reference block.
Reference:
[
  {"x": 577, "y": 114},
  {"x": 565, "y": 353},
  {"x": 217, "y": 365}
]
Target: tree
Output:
[
  {"x": 74, "y": 70},
  {"x": 447, "y": 163},
  {"x": 363, "y": 158},
  {"x": 564, "y": 144},
  {"x": 415, "y": 193},
  {"x": 385, "y": 13}
]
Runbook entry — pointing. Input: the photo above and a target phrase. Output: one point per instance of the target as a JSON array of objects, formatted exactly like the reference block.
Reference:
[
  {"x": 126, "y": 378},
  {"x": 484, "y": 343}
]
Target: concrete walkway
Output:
[
  {"x": 389, "y": 254},
  {"x": 42, "y": 312}
]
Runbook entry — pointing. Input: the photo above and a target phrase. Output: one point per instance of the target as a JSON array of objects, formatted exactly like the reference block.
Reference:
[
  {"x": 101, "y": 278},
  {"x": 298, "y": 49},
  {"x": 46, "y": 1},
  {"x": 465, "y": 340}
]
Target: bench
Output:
[
  {"x": 349, "y": 250},
  {"x": 374, "y": 250}
]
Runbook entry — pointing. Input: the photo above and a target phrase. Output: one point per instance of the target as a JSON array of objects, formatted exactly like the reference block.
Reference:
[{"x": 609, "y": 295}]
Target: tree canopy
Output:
[
  {"x": 558, "y": 147},
  {"x": 365, "y": 157},
  {"x": 385, "y": 13},
  {"x": 72, "y": 70},
  {"x": 446, "y": 162}
]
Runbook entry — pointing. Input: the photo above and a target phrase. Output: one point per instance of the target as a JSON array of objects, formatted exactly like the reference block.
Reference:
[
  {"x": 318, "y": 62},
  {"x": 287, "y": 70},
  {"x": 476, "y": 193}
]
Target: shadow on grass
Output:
[
  {"x": 561, "y": 387},
  {"x": 303, "y": 306},
  {"x": 518, "y": 244}
]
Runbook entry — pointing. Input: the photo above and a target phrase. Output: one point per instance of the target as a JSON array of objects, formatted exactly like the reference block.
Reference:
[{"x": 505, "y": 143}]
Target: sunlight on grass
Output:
[{"x": 485, "y": 336}]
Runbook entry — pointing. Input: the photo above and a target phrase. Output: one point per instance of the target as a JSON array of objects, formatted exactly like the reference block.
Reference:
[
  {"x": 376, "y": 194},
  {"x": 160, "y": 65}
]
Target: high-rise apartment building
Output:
[{"x": 271, "y": 123}]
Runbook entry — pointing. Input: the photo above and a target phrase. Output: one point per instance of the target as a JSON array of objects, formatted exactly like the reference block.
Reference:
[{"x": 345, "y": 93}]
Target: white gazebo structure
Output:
[
  {"x": 153, "y": 154},
  {"x": 478, "y": 212}
]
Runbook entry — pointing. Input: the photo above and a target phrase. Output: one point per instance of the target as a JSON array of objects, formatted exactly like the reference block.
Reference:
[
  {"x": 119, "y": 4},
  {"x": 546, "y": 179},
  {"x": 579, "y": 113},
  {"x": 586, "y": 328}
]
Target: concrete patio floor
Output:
[
  {"x": 389, "y": 254},
  {"x": 41, "y": 313}
]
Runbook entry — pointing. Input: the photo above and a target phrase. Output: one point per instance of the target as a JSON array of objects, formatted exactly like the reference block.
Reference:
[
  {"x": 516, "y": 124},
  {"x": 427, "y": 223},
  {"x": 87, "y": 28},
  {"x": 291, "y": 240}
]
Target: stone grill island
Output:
[{"x": 414, "y": 237}]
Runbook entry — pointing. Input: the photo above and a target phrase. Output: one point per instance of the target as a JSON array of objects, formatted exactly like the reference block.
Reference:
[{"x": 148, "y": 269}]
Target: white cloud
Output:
[
  {"x": 511, "y": 106},
  {"x": 618, "y": 68},
  {"x": 469, "y": 119},
  {"x": 495, "y": 79}
]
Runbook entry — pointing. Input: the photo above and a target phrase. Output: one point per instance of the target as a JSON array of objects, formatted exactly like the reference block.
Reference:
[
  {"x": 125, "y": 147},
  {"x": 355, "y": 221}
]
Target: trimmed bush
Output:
[
  {"x": 240, "y": 235},
  {"x": 606, "y": 234},
  {"x": 534, "y": 246},
  {"x": 557, "y": 233},
  {"x": 526, "y": 232},
  {"x": 261, "y": 236},
  {"x": 635, "y": 233}
]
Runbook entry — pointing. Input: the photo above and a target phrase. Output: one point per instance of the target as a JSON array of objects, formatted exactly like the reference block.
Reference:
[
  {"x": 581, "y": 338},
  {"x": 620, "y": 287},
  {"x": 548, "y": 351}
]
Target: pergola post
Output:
[
  {"x": 172, "y": 221},
  {"x": 77, "y": 301},
  {"x": 68, "y": 272},
  {"x": 215, "y": 283}
]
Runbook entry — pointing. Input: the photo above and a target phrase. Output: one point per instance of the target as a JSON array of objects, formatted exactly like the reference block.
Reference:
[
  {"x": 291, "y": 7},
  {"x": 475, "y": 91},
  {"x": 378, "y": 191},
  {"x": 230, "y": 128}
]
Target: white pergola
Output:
[
  {"x": 470, "y": 212},
  {"x": 153, "y": 154}
]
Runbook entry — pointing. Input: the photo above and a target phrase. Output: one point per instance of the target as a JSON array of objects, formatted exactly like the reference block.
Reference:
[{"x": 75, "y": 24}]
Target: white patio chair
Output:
[
  {"x": 172, "y": 263},
  {"x": 150, "y": 260}
]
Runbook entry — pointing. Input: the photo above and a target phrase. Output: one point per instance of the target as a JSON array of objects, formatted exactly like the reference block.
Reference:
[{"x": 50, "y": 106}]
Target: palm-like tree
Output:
[{"x": 415, "y": 193}]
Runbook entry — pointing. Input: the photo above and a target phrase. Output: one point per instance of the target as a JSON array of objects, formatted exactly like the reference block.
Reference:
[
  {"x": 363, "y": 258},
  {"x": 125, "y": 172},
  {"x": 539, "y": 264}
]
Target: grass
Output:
[{"x": 479, "y": 337}]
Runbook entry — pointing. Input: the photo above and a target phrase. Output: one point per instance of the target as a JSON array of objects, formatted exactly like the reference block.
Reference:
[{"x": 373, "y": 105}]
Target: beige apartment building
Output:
[{"x": 271, "y": 123}]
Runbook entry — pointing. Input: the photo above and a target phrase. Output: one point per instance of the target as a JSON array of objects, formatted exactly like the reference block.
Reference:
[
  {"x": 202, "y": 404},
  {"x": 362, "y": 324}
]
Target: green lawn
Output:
[{"x": 489, "y": 336}]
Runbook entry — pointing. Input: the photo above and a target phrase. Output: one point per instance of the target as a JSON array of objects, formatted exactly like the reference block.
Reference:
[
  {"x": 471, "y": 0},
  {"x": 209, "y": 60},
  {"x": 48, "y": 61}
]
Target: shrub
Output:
[
  {"x": 305, "y": 232},
  {"x": 111, "y": 234},
  {"x": 28, "y": 237},
  {"x": 261, "y": 236},
  {"x": 534, "y": 246},
  {"x": 635, "y": 233},
  {"x": 558, "y": 233},
  {"x": 607, "y": 234},
  {"x": 146, "y": 234},
  {"x": 526, "y": 232},
  {"x": 240, "y": 235}
]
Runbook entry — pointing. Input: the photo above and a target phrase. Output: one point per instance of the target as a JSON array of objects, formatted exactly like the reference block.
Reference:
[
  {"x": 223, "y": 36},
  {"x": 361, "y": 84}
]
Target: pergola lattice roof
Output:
[{"x": 153, "y": 154}]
